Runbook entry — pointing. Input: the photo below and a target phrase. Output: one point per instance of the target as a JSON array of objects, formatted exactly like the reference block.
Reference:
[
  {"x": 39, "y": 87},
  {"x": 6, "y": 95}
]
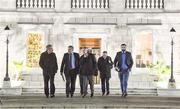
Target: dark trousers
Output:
[
  {"x": 105, "y": 84},
  {"x": 49, "y": 77},
  {"x": 71, "y": 82},
  {"x": 81, "y": 83},
  {"x": 88, "y": 79}
]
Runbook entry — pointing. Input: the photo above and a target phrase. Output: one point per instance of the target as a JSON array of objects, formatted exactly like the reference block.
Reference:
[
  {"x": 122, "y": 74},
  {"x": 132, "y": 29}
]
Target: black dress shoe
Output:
[
  {"x": 125, "y": 95},
  {"x": 107, "y": 93},
  {"x": 122, "y": 95},
  {"x": 103, "y": 93},
  {"x": 47, "y": 96},
  {"x": 67, "y": 96},
  {"x": 84, "y": 95},
  {"x": 92, "y": 94},
  {"x": 52, "y": 96},
  {"x": 71, "y": 95}
]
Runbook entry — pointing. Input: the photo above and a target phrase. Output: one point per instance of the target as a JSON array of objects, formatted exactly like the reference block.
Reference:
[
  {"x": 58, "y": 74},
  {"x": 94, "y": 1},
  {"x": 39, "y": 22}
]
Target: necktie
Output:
[{"x": 70, "y": 60}]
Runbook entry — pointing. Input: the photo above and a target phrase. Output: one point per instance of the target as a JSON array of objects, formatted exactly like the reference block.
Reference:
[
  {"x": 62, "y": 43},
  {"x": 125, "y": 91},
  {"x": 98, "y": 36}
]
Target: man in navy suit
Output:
[
  {"x": 70, "y": 67},
  {"x": 123, "y": 63}
]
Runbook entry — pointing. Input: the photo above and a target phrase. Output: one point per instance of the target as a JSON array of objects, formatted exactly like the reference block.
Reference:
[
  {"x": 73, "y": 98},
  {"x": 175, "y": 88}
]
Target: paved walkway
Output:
[{"x": 107, "y": 102}]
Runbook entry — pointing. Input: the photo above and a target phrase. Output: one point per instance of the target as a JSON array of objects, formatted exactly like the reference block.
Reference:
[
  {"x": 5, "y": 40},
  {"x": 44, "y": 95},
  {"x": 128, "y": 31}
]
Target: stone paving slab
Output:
[{"x": 105, "y": 102}]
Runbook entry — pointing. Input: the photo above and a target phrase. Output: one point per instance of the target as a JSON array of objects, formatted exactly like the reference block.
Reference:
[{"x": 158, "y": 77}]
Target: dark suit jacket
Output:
[
  {"x": 105, "y": 66},
  {"x": 118, "y": 60},
  {"x": 65, "y": 63},
  {"x": 88, "y": 65},
  {"x": 48, "y": 62}
]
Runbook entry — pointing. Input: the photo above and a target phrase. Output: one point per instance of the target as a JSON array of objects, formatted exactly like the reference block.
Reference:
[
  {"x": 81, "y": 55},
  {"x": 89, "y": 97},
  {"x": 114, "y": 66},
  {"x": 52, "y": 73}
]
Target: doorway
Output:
[{"x": 95, "y": 45}]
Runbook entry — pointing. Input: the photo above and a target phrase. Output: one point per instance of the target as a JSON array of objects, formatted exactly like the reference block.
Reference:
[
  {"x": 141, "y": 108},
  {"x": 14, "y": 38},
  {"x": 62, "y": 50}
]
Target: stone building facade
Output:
[{"x": 144, "y": 25}]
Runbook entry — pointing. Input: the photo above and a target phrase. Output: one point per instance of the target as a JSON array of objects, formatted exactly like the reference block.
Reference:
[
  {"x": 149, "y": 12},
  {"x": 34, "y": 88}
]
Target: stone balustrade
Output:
[
  {"x": 90, "y": 4},
  {"x": 144, "y": 4},
  {"x": 35, "y": 3}
]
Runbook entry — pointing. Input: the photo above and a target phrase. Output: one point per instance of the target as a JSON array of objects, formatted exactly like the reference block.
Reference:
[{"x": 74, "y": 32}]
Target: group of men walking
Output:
[{"x": 86, "y": 67}]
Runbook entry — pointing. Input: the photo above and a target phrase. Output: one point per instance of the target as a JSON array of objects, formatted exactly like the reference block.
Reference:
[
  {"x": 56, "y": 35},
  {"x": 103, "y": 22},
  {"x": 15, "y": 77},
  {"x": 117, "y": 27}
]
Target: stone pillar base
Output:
[
  {"x": 172, "y": 85},
  {"x": 6, "y": 84}
]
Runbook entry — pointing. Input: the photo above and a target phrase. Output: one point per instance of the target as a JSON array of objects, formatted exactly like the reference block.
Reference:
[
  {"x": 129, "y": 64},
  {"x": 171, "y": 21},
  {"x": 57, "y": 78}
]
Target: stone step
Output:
[
  {"x": 131, "y": 84},
  {"x": 97, "y": 102},
  {"x": 131, "y": 91},
  {"x": 113, "y": 91}
]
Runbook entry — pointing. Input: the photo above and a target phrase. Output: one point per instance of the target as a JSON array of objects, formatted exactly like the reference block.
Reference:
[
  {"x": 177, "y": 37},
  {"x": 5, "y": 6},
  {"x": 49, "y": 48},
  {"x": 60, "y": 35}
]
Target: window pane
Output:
[{"x": 143, "y": 49}]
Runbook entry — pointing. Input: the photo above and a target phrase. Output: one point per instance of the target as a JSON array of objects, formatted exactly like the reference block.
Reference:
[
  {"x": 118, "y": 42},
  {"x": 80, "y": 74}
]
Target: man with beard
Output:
[{"x": 123, "y": 63}]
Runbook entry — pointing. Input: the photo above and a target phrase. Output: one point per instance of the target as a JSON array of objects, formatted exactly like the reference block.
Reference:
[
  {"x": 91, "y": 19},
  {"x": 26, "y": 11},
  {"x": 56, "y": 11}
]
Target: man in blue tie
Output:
[
  {"x": 123, "y": 63},
  {"x": 70, "y": 68}
]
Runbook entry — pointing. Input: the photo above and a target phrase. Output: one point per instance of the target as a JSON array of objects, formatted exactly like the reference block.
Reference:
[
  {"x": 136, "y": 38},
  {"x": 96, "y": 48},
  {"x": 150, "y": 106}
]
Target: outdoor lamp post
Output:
[
  {"x": 172, "y": 83},
  {"x": 7, "y": 78}
]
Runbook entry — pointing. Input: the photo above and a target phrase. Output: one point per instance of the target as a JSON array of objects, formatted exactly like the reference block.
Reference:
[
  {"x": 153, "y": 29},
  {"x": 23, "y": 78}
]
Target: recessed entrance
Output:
[{"x": 95, "y": 45}]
